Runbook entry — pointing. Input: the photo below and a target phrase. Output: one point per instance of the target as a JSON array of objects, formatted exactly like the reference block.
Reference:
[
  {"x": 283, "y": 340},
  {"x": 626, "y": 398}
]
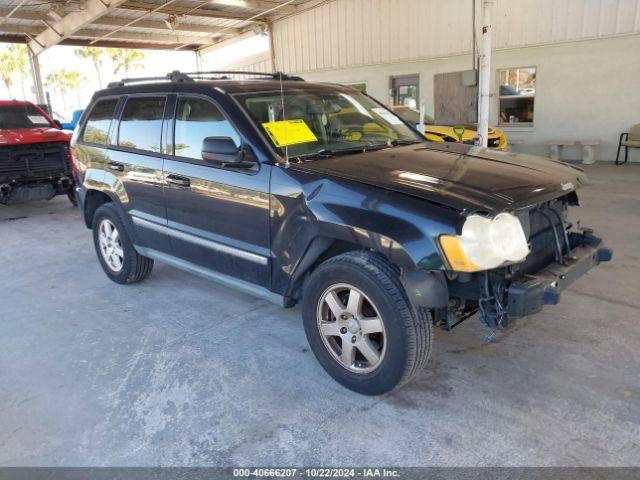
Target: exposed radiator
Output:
[
  {"x": 34, "y": 161},
  {"x": 540, "y": 234}
]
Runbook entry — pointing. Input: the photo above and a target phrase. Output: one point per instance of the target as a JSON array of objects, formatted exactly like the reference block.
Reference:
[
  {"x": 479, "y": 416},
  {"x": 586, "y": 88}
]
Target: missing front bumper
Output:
[{"x": 527, "y": 294}]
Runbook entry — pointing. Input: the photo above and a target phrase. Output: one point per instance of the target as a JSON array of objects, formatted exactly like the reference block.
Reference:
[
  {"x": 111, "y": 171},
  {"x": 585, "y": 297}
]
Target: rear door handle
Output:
[
  {"x": 178, "y": 180},
  {"x": 115, "y": 166}
]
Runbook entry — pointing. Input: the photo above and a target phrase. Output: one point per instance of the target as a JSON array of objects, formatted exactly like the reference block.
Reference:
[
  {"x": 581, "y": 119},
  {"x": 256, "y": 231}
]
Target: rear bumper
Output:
[{"x": 527, "y": 295}]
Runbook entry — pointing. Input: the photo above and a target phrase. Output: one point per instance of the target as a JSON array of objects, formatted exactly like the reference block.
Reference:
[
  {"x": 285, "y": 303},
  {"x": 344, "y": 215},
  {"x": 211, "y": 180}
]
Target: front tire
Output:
[
  {"x": 116, "y": 253},
  {"x": 361, "y": 326}
]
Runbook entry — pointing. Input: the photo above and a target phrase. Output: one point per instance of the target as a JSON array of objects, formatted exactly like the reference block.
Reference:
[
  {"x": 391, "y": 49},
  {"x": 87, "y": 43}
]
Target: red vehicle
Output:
[{"x": 35, "y": 158}]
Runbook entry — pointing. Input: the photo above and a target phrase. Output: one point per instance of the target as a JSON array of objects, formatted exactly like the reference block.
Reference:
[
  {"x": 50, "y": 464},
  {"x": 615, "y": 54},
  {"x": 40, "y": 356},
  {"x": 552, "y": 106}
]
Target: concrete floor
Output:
[{"x": 180, "y": 371}]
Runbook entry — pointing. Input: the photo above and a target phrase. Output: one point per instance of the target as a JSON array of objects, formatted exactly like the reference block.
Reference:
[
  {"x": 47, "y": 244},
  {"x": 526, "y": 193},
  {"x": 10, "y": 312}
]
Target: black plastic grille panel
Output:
[{"x": 36, "y": 160}]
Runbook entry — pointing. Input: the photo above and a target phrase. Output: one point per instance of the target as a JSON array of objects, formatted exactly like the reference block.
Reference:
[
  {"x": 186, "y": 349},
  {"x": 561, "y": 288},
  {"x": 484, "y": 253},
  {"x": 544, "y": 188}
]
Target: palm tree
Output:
[
  {"x": 95, "y": 54},
  {"x": 126, "y": 59},
  {"x": 54, "y": 80},
  {"x": 20, "y": 56},
  {"x": 73, "y": 81},
  {"x": 8, "y": 68},
  {"x": 63, "y": 80}
]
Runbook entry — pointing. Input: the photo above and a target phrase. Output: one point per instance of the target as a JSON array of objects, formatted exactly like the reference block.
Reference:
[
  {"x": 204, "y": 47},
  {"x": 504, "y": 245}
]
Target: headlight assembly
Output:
[{"x": 485, "y": 243}]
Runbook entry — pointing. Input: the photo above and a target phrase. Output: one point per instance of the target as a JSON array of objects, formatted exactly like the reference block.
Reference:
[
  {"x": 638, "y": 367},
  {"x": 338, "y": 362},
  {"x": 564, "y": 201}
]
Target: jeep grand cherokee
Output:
[{"x": 266, "y": 185}]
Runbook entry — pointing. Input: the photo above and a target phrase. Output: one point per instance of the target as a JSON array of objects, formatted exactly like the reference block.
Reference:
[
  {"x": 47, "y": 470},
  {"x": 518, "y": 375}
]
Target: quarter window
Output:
[
  {"x": 97, "y": 128},
  {"x": 197, "y": 119},
  {"x": 141, "y": 123},
  {"x": 517, "y": 95}
]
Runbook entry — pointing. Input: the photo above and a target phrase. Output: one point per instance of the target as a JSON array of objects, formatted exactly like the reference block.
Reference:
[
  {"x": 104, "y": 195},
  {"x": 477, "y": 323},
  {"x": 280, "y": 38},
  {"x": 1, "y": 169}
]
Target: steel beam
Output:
[
  {"x": 175, "y": 10},
  {"x": 253, "y": 5},
  {"x": 171, "y": 38},
  {"x": 90, "y": 11},
  {"x": 39, "y": 16},
  {"x": 226, "y": 43},
  {"x": 11, "y": 12},
  {"x": 37, "y": 77}
]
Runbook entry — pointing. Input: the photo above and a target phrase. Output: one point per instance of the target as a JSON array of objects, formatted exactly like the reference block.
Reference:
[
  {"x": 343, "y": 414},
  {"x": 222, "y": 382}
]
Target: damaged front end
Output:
[
  {"x": 558, "y": 255},
  {"x": 33, "y": 172}
]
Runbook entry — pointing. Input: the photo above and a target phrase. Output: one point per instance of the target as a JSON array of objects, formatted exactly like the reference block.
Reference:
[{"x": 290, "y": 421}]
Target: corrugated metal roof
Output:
[{"x": 174, "y": 24}]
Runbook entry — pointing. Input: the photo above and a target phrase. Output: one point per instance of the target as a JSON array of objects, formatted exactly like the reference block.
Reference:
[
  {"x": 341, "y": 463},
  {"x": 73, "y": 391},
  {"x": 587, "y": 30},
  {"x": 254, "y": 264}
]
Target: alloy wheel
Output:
[
  {"x": 110, "y": 245},
  {"x": 351, "y": 328}
]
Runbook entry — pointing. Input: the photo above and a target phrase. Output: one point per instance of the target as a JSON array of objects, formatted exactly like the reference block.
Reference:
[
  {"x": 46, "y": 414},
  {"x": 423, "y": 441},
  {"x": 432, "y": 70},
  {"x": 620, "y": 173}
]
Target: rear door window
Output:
[
  {"x": 197, "y": 119},
  {"x": 96, "y": 129},
  {"x": 141, "y": 123}
]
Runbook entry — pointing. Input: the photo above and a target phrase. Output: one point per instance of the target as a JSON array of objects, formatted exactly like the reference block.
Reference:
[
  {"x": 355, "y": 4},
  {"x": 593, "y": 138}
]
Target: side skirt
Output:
[{"x": 223, "y": 279}]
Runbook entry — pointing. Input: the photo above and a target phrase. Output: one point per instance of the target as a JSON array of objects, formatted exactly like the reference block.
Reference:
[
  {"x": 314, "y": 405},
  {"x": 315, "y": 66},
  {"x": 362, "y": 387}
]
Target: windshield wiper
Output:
[
  {"x": 332, "y": 152},
  {"x": 397, "y": 143}
]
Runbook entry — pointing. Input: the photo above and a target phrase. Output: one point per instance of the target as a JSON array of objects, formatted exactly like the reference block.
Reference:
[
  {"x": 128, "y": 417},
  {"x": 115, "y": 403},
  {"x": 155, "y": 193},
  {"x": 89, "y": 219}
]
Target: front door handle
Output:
[
  {"x": 178, "y": 180},
  {"x": 115, "y": 166}
]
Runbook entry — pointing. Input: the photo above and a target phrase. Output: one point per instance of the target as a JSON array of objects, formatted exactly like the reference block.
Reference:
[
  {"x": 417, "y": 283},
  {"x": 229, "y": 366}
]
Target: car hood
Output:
[
  {"x": 462, "y": 177},
  {"x": 21, "y": 136}
]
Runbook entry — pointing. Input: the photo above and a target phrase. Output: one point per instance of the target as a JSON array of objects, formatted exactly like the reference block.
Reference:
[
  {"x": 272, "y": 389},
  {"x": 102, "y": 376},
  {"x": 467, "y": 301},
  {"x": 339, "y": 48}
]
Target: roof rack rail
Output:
[
  {"x": 222, "y": 74},
  {"x": 180, "y": 77}
]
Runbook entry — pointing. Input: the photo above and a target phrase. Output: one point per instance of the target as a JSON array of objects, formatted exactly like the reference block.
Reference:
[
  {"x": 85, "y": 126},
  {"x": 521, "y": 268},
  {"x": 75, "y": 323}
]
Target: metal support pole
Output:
[
  {"x": 272, "y": 48},
  {"x": 37, "y": 77},
  {"x": 198, "y": 60},
  {"x": 484, "y": 89}
]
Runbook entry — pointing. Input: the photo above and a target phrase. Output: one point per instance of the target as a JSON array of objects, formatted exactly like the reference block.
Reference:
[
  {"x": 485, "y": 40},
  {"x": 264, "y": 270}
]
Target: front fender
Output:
[{"x": 308, "y": 212}]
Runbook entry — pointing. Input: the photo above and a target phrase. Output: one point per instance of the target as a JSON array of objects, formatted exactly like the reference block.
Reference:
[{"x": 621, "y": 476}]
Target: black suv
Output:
[{"x": 316, "y": 193}]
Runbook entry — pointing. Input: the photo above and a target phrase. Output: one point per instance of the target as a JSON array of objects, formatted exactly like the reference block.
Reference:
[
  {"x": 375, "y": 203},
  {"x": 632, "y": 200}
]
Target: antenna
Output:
[{"x": 284, "y": 117}]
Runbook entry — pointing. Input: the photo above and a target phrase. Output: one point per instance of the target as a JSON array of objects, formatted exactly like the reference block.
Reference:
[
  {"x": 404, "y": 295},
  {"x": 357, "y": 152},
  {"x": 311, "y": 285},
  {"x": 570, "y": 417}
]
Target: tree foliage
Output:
[
  {"x": 126, "y": 60},
  {"x": 96, "y": 56},
  {"x": 13, "y": 60},
  {"x": 63, "y": 81}
]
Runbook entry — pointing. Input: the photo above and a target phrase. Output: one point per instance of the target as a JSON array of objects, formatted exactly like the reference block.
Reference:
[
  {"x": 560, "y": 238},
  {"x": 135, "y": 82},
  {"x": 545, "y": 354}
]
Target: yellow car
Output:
[{"x": 457, "y": 133}]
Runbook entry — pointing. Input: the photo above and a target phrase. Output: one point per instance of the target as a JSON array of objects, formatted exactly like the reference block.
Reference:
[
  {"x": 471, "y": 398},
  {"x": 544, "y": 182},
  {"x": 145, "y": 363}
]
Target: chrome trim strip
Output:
[
  {"x": 203, "y": 242},
  {"x": 243, "y": 286}
]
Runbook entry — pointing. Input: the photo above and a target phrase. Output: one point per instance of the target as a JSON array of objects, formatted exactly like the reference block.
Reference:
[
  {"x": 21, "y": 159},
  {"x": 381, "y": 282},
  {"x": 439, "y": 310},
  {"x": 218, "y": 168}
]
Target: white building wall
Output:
[
  {"x": 255, "y": 63},
  {"x": 584, "y": 90},
  {"x": 585, "y": 51},
  {"x": 347, "y": 33},
  {"x": 248, "y": 54}
]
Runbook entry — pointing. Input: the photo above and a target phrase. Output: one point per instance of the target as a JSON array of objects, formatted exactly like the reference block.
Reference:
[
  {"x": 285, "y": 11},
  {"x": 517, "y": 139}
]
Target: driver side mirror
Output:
[
  {"x": 223, "y": 151},
  {"x": 57, "y": 124}
]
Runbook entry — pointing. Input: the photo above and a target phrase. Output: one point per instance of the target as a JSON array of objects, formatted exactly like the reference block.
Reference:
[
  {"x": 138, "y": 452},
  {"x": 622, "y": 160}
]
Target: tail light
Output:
[{"x": 72, "y": 163}]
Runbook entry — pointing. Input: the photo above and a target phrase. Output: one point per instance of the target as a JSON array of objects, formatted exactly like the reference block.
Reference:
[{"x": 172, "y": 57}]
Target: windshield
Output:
[
  {"x": 411, "y": 115},
  {"x": 21, "y": 116},
  {"x": 315, "y": 122}
]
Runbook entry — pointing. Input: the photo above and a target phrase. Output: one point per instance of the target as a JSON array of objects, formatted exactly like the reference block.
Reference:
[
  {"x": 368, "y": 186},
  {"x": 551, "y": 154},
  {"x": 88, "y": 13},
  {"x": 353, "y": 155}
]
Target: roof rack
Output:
[
  {"x": 223, "y": 74},
  {"x": 181, "y": 77}
]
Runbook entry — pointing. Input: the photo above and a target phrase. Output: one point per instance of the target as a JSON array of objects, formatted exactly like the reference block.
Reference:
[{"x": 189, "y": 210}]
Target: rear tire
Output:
[
  {"x": 399, "y": 344},
  {"x": 116, "y": 253}
]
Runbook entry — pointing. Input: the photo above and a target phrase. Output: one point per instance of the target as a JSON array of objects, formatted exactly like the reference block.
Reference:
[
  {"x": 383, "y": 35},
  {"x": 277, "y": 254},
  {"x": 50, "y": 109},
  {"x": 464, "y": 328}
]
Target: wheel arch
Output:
[
  {"x": 424, "y": 288},
  {"x": 93, "y": 200}
]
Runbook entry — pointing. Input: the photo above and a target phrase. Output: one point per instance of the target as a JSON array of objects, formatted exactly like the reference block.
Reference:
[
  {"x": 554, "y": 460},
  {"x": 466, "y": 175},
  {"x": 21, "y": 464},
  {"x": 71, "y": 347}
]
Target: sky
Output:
[{"x": 155, "y": 63}]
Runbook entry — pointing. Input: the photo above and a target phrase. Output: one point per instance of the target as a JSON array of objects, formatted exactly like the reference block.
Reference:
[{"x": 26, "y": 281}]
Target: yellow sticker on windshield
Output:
[{"x": 289, "y": 132}]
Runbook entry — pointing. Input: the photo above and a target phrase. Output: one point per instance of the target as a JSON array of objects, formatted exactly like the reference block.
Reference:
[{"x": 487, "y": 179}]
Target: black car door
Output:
[
  {"x": 218, "y": 217},
  {"x": 135, "y": 167}
]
